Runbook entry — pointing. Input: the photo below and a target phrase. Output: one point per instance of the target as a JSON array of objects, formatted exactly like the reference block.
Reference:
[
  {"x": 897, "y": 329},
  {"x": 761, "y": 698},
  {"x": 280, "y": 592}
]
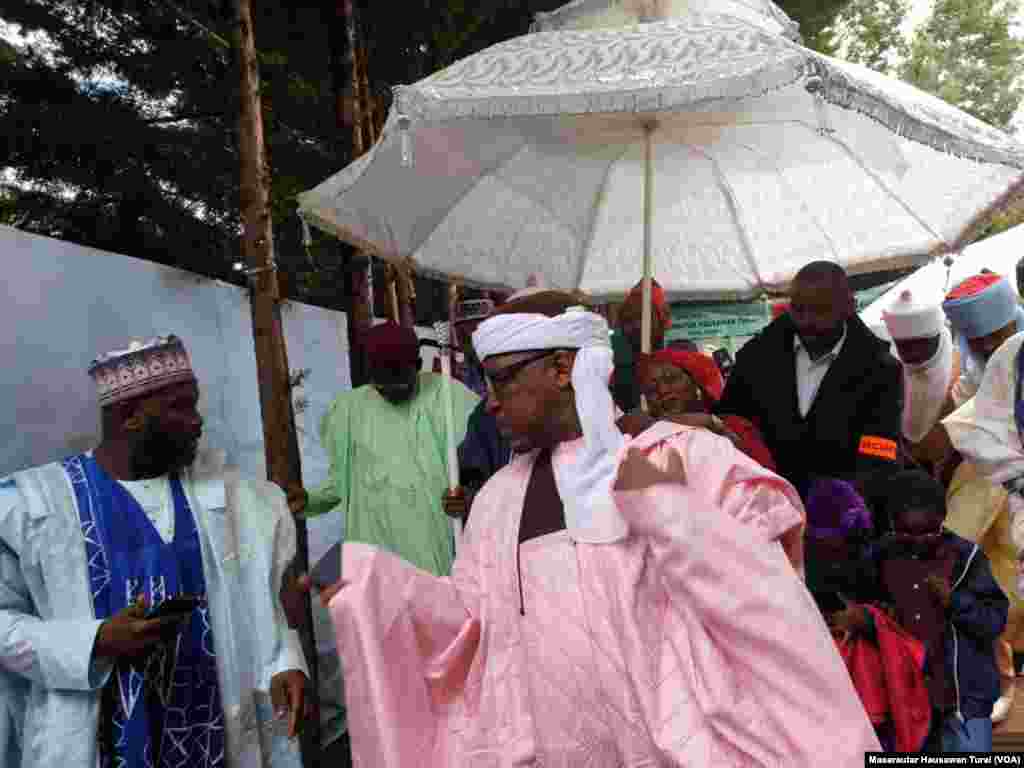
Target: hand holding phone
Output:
[{"x": 179, "y": 606}]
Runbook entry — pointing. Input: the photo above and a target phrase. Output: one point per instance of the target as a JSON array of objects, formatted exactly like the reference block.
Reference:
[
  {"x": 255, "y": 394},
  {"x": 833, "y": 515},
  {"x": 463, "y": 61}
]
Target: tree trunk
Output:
[
  {"x": 279, "y": 437},
  {"x": 361, "y": 142},
  {"x": 342, "y": 39}
]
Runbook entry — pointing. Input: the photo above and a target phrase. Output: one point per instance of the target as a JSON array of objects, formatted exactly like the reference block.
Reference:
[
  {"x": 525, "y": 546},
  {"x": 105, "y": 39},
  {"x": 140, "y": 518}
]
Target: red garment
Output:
[
  {"x": 751, "y": 442},
  {"x": 889, "y": 677}
]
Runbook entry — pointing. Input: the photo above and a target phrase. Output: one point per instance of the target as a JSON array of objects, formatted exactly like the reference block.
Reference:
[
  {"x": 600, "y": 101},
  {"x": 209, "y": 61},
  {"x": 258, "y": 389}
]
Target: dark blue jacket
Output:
[
  {"x": 483, "y": 451},
  {"x": 976, "y": 618}
]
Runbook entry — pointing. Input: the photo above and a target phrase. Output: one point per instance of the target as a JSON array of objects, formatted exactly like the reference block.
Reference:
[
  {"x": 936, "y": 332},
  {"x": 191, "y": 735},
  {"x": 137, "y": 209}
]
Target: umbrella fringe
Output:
[
  {"x": 569, "y": 14},
  {"x": 837, "y": 89},
  {"x": 415, "y": 105}
]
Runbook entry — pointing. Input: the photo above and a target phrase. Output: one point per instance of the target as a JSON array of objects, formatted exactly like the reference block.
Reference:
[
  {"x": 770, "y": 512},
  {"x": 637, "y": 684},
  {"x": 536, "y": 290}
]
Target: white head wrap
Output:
[
  {"x": 925, "y": 385},
  {"x": 925, "y": 388},
  {"x": 586, "y": 487}
]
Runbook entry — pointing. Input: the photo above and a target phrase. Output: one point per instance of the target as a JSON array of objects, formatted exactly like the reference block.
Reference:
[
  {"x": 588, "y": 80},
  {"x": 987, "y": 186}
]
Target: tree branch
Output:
[{"x": 179, "y": 118}]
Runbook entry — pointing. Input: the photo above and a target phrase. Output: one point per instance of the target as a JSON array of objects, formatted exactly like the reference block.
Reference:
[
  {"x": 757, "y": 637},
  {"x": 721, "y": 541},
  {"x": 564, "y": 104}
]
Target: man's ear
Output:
[
  {"x": 136, "y": 414},
  {"x": 563, "y": 362},
  {"x": 135, "y": 420},
  {"x": 851, "y": 306}
]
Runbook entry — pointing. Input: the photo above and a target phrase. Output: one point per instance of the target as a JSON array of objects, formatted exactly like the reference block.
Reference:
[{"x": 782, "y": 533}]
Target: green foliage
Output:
[
  {"x": 1009, "y": 218},
  {"x": 120, "y": 131},
  {"x": 816, "y": 19},
  {"x": 965, "y": 54},
  {"x": 869, "y": 32}
]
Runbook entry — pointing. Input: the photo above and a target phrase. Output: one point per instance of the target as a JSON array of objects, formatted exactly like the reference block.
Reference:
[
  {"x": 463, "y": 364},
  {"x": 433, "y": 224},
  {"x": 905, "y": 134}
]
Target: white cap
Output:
[{"x": 910, "y": 317}]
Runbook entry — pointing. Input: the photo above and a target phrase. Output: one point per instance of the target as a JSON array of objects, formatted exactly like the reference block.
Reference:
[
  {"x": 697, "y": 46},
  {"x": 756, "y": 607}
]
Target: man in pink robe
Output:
[{"x": 616, "y": 601}]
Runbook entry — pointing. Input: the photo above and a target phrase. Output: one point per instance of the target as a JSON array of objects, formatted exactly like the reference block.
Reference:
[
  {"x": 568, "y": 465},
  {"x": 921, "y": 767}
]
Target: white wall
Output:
[{"x": 62, "y": 304}]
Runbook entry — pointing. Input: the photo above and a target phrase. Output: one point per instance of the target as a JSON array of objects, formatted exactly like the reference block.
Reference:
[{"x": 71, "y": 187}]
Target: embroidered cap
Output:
[
  {"x": 912, "y": 317},
  {"x": 141, "y": 368},
  {"x": 981, "y": 305}
]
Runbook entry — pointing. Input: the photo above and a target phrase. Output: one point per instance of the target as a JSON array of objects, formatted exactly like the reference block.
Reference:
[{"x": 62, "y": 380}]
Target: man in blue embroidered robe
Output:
[{"x": 100, "y": 541}]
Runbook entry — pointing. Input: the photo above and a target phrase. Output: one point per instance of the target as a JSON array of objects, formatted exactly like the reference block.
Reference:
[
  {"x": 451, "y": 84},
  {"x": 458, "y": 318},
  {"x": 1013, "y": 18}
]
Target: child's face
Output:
[{"x": 918, "y": 521}]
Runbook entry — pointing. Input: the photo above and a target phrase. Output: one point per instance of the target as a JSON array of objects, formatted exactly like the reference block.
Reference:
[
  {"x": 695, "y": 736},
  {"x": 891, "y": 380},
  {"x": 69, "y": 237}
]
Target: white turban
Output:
[
  {"x": 925, "y": 388},
  {"x": 586, "y": 487},
  {"x": 925, "y": 384}
]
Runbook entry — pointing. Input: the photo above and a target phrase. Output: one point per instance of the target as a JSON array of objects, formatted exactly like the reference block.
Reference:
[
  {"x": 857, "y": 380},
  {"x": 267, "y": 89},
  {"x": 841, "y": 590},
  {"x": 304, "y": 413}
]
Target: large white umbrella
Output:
[
  {"x": 931, "y": 282},
  {"x": 696, "y": 144},
  {"x": 602, "y": 14}
]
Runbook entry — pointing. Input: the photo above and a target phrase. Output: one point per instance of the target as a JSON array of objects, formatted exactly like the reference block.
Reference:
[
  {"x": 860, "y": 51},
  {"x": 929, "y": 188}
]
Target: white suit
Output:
[{"x": 48, "y": 627}]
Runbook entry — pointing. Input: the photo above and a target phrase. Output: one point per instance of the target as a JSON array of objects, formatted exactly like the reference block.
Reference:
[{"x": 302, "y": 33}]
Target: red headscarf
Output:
[{"x": 701, "y": 368}]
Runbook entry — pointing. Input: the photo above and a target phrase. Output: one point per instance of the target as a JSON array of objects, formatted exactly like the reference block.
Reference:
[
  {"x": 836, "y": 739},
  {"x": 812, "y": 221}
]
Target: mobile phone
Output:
[{"x": 181, "y": 605}]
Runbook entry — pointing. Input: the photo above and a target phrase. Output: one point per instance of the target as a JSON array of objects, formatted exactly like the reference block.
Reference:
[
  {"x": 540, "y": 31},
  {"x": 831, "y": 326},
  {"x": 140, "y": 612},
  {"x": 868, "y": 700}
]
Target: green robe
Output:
[{"x": 389, "y": 469}]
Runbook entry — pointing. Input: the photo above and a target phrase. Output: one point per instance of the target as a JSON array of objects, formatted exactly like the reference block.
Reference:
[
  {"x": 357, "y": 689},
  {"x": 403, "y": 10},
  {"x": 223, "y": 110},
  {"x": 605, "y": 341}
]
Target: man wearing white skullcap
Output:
[
  {"x": 925, "y": 347},
  {"x": 138, "y": 590},
  {"x": 616, "y": 600}
]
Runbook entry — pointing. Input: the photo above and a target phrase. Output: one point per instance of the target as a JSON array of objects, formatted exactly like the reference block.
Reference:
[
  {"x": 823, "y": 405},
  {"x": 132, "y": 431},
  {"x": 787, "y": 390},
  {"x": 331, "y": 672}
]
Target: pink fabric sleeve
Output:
[
  {"x": 407, "y": 644},
  {"x": 727, "y": 479},
  {"x": 755, "y": 631}
]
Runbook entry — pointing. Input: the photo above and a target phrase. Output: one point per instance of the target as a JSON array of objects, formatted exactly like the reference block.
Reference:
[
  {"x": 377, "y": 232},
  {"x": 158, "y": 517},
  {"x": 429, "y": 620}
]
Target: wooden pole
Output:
[
  {"x": 279, "y": 437},
  {"x": 407, "y": 293},
  {"x": 391, "y": 281},
  {"x": 360, "y": 141},
  {"x": 344, "y": 39}
]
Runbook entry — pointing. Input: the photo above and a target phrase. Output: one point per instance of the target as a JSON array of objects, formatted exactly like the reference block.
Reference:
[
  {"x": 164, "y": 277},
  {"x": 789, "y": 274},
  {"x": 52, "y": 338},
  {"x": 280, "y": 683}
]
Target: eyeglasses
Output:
[{"x": 497, "y": 381}]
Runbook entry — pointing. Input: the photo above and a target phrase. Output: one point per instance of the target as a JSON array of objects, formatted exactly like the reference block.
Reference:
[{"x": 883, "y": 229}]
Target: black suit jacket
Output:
[{"x": 852, "y": 430}]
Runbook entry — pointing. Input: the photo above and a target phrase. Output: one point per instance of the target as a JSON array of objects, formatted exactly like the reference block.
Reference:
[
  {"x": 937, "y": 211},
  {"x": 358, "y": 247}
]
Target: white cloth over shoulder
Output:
[
  {"x": 983, "y": 429},
  {"x": 586, "y": 486},
  {"x": 985, "y": 432},
  {"x": 925, "y": 387}
]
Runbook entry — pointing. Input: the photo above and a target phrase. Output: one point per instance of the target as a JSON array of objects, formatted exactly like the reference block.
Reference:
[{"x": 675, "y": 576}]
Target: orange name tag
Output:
[{"x": 878, "y": 447}]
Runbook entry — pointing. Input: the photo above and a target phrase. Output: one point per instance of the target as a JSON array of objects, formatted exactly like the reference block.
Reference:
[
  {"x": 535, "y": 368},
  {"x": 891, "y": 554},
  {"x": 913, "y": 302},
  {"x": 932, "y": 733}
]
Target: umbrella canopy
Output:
[
  {"x": 933, "y": 281},
  {"x": 597, "y": 14},
  {"x": 710, "y": 144}
]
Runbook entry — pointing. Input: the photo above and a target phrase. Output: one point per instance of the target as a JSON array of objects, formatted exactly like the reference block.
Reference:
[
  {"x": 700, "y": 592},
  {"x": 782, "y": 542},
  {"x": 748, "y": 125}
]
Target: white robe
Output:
[{"x": 48, "y": 627}]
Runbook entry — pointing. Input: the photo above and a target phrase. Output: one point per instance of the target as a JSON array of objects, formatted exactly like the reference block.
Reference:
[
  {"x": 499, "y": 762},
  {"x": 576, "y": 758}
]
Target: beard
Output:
[{"x": 159, "y": 453}]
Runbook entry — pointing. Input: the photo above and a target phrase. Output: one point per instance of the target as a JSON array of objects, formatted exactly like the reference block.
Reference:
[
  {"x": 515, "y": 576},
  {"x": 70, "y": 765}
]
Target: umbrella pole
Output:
[
  {"x": 447, "y": 372},
  {"x": 645, "y": 322}
]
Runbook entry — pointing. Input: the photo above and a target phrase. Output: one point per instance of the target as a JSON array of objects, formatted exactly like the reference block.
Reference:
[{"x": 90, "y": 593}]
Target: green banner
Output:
[
  {"x": 731, "y": 319},
  {"x": 710, "y": 321}
]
